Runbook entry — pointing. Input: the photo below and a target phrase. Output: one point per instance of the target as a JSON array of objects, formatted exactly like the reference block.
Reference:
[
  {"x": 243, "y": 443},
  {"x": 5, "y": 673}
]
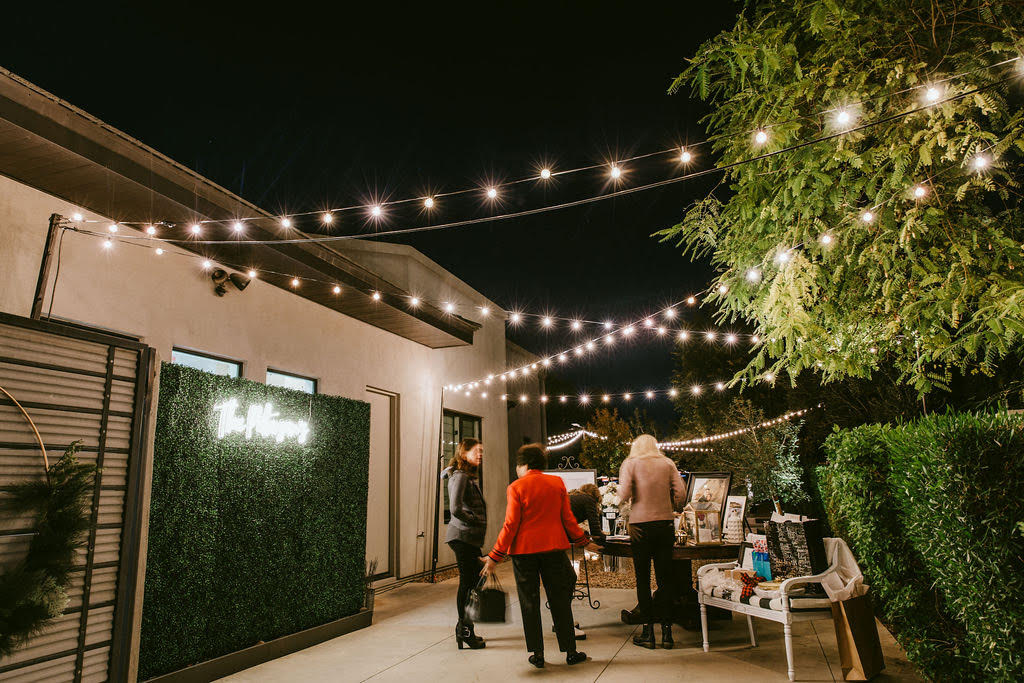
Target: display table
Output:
[{"x": 686, "y": 613}]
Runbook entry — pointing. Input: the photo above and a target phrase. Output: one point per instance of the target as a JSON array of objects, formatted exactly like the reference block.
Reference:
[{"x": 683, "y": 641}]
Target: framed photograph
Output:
[
  {"x": 732, "y": 526},
  {"x": 709, "y": 487},
  {"x": 746, "y": 556},
  {"x": 574, "y": 479}
]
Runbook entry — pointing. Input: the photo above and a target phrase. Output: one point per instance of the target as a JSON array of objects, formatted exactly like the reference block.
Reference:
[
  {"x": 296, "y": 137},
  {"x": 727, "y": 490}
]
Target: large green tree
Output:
[{"x": 928, "y": 284}]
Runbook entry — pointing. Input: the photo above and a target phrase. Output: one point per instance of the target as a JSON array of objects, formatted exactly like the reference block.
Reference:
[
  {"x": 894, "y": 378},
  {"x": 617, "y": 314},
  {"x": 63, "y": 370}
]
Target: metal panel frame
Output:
[{"x": 121, "y": 641}]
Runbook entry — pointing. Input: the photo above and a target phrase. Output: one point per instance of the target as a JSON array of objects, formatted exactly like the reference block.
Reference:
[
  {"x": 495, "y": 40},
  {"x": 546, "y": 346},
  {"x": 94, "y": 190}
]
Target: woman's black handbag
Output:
[{"x": 487, "y": 604}]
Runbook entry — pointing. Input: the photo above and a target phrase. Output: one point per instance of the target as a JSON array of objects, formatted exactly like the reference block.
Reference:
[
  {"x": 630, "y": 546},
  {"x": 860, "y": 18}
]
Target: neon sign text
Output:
[{"x": 260, "y": 420}]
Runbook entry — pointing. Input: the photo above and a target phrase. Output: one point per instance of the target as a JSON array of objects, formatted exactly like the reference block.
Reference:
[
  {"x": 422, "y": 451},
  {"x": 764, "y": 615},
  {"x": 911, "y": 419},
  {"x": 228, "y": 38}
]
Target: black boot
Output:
[
  {"x": 646, "y": 637},
  {"x": 575, "y": 657},
  {"x": 537, "y": 659},
  {"x": 464, "y": 635},
  {"x": 666, "y": 636}
]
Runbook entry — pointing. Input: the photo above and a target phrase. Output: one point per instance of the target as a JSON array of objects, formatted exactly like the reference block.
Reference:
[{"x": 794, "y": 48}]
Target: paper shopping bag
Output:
[{"x": 860, "y": 652}]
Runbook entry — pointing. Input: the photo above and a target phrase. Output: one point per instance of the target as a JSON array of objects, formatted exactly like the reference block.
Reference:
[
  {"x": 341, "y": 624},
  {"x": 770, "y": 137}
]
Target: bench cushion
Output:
[{"x": 795, "y": 603}]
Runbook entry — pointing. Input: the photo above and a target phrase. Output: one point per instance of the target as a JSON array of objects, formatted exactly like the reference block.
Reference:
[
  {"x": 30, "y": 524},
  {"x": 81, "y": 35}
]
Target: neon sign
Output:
[{"x": 260, "y": 420}]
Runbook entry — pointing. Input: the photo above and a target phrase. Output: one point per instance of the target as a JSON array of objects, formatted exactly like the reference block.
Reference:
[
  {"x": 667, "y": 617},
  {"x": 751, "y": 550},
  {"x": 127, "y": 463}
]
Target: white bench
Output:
[{"x": 785, "y": 610}]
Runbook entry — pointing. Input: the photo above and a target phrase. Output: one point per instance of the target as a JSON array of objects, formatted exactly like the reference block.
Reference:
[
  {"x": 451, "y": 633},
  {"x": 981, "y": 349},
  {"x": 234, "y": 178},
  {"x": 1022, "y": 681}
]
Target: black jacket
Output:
[
  {"x": 584, "y": 508},
  {"x": 469, "y": 512}
]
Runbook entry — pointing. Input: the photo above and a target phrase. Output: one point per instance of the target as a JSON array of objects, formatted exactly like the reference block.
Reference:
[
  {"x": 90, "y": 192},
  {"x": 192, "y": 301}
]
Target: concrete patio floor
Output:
[{"x": 411, "y": 641}]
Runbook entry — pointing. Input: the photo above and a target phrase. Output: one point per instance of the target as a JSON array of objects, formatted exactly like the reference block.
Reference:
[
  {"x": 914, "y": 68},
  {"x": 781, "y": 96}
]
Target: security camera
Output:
[{"x": 221, "y": 278}]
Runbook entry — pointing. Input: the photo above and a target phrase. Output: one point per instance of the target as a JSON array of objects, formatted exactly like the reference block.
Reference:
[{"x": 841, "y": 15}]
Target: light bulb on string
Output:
[
  {"x": 576, "y": 325},
  {"x": 238, "y": 227},
  {"x": 545, "y": 173},
  {"x": 485, "y": 311},
  {"x": 286, "y": 222},
  {"x": 825, "y": 239},
  {"x": 783, "y": 256},
  {"x": 196, "y": 228},
  {"x": 375, "y": 296},
  {"x": 562, "y": 358},
  {"x": 709, "y": 335},
  {"x": 159, "y": 251},
  {"x": 77, "y": 217},
  {"x": 920, "y": 191},
  {"x": 670, "y": 313},
  {"x": 112, "y": 227},
  {"x": 761, "y": 137},
  {"x": 428, "y": 203},
  {"x": 108, "y": 243},
  {"x": 628, "y": 331},
  {"x": 673, "y": 392},
  {"x": 578, "y": 350},
  {"x": 661, "y": 331},
  {"x": 730, "y": 339},
  {"x": 150, "y": 230},
  {"x": 754, "y": 339},
  {"x": 376, "y": 211},
  {"x": 251, "y": 274},
  {"x": 867, "y": 217},
  {"x": 691, "y": 300},
  {"x": 608, "y": 325},
  {"x": 590, "y": 346},
  {"x": 769, "y": 377},
  {"x": 563, "y": 399},
  {"x": 980, "y": 162},
  {"x": 327, "y": 218},
  {"x": 843, "y": 118},
  {"x": 337, "y": 289},
  {"x": 695, "y": 390},
  {"x": 207, "y": 265},
  {"x": 932, "y": 94},
  {"x": 723, "y": 289},
  {"x": 683, "y": 335},
  {"x": 546, "y": 321},
  {"x": 719, "y": 386},
  {"x": 649, "y": 394},
  {"x": 515, "y": 318},
  {"x": 753, "y": 275},
  {"x": 414, "y": 301},
  {"x": 492, "y": 193},
  {"x": 609, "y": 339},
  {"x": 606, "y": 398},
  {"x": 584, "y": 399},
  {"x": 295, "y": 282},
  {"x": 685, "y": 156},
  {"x": 449, "y": 307},
  {"x": 615, "y": 172},
  {"x": 648, "y": 322}
]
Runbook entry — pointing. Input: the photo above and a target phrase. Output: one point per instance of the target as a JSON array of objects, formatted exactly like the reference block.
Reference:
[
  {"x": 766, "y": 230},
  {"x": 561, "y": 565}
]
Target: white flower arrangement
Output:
[{"x": 610, "y": 496}]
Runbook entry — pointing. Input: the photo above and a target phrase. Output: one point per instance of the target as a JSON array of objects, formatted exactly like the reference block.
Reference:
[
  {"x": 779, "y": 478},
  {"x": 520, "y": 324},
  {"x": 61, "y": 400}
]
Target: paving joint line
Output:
[{"x": 612, "y": 658}]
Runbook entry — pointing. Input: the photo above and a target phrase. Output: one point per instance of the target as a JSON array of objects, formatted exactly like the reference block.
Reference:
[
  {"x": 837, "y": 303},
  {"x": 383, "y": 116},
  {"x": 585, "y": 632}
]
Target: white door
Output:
[{"x": 381, "y": 499}]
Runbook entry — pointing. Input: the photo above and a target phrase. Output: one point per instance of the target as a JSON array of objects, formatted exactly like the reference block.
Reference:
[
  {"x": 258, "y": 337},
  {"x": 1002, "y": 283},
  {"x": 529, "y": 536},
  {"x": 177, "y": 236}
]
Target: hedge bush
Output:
[
  {"x": 861, "y": 508},
  {"x": 930, "y": 509},
  {"x": 959, "y": 480},
  {"x": 249, "y": 539}
]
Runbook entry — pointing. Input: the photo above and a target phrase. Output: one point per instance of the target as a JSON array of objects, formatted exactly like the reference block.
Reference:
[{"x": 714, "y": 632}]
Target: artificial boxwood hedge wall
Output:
[
  {"x": 249, "y": 539},
  {"x": 932, "y": 510}
]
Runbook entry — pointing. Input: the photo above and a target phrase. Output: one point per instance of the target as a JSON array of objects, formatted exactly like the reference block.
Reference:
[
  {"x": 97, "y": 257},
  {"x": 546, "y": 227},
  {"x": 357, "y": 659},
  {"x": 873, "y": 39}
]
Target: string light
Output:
[
  {"x": 237, "y": 227},
  {"x": 547, "y": 321},
  {"x": 867, "y": 217},
  {"x": 691, "y": 300},
  {"x": 207, "y": 265},
  {"x": 295, "y": 282},
  {"x": 337, "y": 289},
  {"x": 108, "y": 244},
  {"x": 761, "y": 137},
  {"x": 252, "y": 274},
  {"x": 616, "y": 172},
  {"x": 286, "y": 222},
  {"x": 77, "y": 217},
  {"x": 375, "y": 296},
  {"x": 515, "y": 318},
  {"x": 825, "y": 239},
  {"x": 920, "y": 191},
  {"x": 685, "y": 156},
  {"x": 576, "y": 325},
  {"x": 545, "y": 173},
  {"x": 980, "y": 162},
  {"x": 736, "y": 432},
  {"x": 429, "y": 202},
  {"x": 414, "y": 301},
  {"x": 159, "y": 251},
  {"x": 112, "y": 227},
  {"x": 932, "y": 95},
  {"x": 492, "y": 192},
  {"x": 376, "y": 211},
  {"x": 485, "y": 311},
  {"x": 197, "y": 229},
  {"x": 150, "y": 230}
]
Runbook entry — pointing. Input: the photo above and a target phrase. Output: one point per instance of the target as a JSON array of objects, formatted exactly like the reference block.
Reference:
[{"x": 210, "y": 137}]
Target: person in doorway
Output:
[
  {"x": 651, "y": 481},
  {"x": 465, "y": 535},
  {"x": 539, "y": 526}
]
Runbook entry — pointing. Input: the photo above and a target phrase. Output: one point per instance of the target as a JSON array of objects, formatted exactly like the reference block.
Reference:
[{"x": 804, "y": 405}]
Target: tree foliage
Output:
[
  {"x": 930, "y": 285},
  {"x": 609, "y": 448}
]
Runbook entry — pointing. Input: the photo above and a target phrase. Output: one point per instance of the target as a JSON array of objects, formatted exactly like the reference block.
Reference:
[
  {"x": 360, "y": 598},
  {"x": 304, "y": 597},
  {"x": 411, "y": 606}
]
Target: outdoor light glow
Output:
[
  {"x": 730, "y": 339},
  {"x": 504, "y": 397},
  {"x": 932, "y": 94},
  {"x": 546, "y": 322},
  {"x": 449, "y": 307},
  {"x": 662, "y": 330},
  {"x": 578, "y": 350},
  {"x": 515, "y": 317},
  {"x": 286, "y": 222},
  {"x": 543, "y": 399},
  {"x": 761, "y": 137},
  {"x": 237, "y": 226},
  {"x": 673, "y": 392},
  {"x": 196, "y": 228},
  {"x": 683, "y": 335},
  {"x": 108, "y": 243},
  {"x": 159, "y": 251},
  {"x": 609, "y": 339},
  {"x": 649, "y": 394},
  {"x": 562, "y": 358},
  {"x": 753, "y": 275},
  {"x": 590, "y": 346},
  {"x": 337, "y": 289},
  {"x": 563, "y": 399},
  {"x": 980, "y": 162},
  {"x": 150, "y": 230},
  {"x": 584, "y": 399},
  {"x": 843, "y": 117},
  {"x": 826, "y": 239},
  {"x": 685, "y": 156},
  {"x": 695, "y": 389},
  {"x": 576, "y": 325},
  {"x": 606, "y": 398},
  {"x": 691, "y": 300},
  {"x": 719, "y": 386},
  {"x": 112, "y": 227},
  {"x": 867, "y": 216},
  {"x": 873, "y": 350},
  {"x": 429, "y": 202},
  {"x": 545, "y": 173},
  {"x": 919, "y": 191},
  {"x": 207, "y": 265},
  {"x": 546, "y": 362},
  {"x": 628, "y": 331},
  {"x": 328, "y": 218},
  {"x": 260, "y": 420},
  {"x": 648, "y": 322},
  {"x": 76, "y": 217},
  {"x": 670, "y": 313},
  {"x": 522, "y": 397},
  {"x": 492, "y": 193},
  {"x": 709, "y": 335},
  {"x": 627, "y": 396},
  {"x": 755, "y": 339},
  {"x": 376, "y": 296},
  {"x": 252, "y": 273},
  {"x": 295, "y": 282},
  {"x": 376, "y": 211},
  {"x": 769, "y": 377},
  {"x": 783, "y": 257},
  {"x": 483, "y": 394},
  {"x": 722, "y": 289},
  {"x": 415, "y": 301},
  {"x": 616, "y": 172},
  {"x": 485, "y": 311},
  {"x": 608, "y": 324}
]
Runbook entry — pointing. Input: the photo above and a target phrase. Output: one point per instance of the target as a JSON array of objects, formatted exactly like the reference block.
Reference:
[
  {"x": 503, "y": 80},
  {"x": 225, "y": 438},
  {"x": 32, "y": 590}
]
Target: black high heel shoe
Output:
[
  {"x": 575, "y": 657},
  {"x": 667, "y": 641},
  {"x": 537, "y": 659},
  {"x": 646, "y": 637},
  {"x": 464, "y": 635}
]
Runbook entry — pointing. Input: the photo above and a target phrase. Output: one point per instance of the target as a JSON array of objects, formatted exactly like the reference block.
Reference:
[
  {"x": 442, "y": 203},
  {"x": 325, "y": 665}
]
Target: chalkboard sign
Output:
[{"x": 795, "y": 548}]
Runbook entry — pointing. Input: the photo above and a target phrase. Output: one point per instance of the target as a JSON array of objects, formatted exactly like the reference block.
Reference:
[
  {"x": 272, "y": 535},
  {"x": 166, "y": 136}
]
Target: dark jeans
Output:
[
  {"x": 654, "y": 541},
  {"x": 468, "y": 559},
  {"x": 559, "y": 579}
]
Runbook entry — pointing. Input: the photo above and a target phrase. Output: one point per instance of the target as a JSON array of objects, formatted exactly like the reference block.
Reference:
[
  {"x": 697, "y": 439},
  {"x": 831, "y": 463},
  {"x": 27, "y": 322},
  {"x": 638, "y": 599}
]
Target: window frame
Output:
[
  {"x": 210, "y": 356},
  {"x": 314, "y": 380},
  {"x": 445, "y": 456}
]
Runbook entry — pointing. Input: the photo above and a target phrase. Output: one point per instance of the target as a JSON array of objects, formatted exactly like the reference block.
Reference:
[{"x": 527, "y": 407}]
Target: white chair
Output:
[{"x": 785, "y": 609}]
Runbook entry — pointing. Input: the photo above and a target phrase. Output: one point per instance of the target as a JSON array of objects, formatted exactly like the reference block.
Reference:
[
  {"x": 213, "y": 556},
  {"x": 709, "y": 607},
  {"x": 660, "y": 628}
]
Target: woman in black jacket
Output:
[{"x": 466, "y": 529}]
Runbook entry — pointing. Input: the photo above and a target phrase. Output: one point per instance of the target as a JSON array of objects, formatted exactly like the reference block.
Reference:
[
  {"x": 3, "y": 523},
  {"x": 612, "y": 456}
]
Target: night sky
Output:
[{"x": 302, "y": 107}]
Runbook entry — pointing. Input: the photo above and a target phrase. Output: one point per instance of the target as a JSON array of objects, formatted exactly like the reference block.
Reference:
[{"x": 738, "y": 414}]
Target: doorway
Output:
[{"x": 382, "y": 493}]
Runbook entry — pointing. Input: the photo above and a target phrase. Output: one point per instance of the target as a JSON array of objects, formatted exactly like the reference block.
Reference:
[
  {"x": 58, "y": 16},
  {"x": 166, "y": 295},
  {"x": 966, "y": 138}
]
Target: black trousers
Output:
[
  {"x": 654, "y": 541},
  {"x": 559, "y": 580},
  {"x": 467, "y": 557}
]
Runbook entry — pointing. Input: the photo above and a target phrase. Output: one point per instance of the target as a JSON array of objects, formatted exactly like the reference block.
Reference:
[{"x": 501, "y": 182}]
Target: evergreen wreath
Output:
[{"x": 35, "y": 590}]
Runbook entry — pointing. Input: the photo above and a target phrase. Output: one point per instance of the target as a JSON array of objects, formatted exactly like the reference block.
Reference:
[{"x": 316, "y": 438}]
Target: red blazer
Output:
[{"x": 538, "y": 518}]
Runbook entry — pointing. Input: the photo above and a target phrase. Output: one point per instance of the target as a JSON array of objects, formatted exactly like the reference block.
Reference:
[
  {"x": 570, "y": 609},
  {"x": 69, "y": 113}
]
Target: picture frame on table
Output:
[
  {"x": 745, "y": 560},
  {"x": 709, "y": 487}
]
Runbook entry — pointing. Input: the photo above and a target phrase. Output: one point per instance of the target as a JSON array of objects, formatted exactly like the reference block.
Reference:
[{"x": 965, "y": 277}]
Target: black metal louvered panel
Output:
[{"x": 78, "y": 385}]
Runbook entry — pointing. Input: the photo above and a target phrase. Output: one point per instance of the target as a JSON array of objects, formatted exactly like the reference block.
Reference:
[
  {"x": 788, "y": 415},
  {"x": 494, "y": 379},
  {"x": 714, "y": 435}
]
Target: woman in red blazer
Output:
[{"x": 539, "y": 526}]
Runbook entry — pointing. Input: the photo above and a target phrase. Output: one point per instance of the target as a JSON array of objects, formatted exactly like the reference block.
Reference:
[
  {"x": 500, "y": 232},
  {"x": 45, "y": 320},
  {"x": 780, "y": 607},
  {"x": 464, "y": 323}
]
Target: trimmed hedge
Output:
[
  {"x": 249, "y": 539},
  {"x": 930, "y": 509}
]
